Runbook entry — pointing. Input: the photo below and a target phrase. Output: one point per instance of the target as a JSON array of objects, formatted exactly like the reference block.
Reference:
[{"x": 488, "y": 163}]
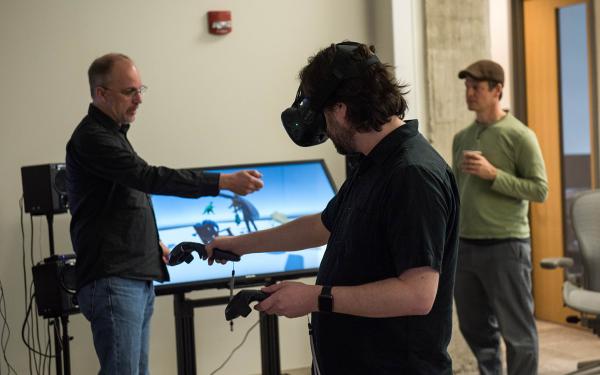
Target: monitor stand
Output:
[{"x": 185, "y": 337}]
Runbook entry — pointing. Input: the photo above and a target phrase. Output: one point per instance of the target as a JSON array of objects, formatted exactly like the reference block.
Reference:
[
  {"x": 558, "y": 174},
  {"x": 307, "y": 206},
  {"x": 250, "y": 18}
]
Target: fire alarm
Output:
[{"x": 219, "y": 22}]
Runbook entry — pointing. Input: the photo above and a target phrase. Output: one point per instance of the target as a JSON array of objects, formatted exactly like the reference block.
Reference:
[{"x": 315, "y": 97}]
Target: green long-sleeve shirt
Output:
[{"x": 499, "y": 208}]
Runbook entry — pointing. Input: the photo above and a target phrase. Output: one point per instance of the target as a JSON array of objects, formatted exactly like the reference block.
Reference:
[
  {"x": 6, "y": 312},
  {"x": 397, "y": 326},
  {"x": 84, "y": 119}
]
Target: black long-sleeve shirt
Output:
[{"x": 113, "y": 229}]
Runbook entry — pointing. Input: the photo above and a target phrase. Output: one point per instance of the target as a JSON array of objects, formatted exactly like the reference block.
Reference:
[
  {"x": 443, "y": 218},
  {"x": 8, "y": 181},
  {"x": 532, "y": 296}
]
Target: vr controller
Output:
[
  {"x": 183, "y": 253},
  {"x": 239, "y": 304}
]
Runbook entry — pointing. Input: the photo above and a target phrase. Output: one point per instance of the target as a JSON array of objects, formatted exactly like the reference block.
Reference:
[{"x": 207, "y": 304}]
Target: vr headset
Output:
[{"x": 304, "y": 120}]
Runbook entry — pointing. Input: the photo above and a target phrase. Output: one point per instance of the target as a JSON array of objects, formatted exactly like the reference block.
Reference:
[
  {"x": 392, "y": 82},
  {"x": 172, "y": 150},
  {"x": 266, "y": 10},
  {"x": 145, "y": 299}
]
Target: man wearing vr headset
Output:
[{"x": 382, "y": 303}]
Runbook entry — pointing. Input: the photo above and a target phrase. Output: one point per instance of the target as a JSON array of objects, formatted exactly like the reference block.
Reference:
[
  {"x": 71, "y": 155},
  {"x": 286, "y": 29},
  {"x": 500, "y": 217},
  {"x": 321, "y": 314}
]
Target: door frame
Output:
[
  {"x": 547, "y": 285},
  {"x": 519, "y": 77}
]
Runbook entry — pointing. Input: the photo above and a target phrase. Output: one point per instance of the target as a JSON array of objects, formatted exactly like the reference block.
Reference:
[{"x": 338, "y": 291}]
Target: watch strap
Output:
[{"x": 326, "y": 299}]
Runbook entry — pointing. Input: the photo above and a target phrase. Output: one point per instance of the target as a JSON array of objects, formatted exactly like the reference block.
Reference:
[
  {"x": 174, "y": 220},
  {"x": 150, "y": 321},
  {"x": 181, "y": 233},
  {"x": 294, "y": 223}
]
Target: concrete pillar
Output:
[{"x": 456, "y": 34}]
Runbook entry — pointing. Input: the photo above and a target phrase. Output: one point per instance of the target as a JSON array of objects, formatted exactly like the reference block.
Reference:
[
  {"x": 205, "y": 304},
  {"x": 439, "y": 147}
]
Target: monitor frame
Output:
[{"x": 245, "y": 280}]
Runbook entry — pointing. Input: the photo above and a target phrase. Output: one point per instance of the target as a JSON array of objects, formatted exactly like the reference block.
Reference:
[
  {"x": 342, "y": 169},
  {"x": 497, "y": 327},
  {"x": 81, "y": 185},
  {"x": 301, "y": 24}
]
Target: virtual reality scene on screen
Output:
[{"x": 291, "y": 190}]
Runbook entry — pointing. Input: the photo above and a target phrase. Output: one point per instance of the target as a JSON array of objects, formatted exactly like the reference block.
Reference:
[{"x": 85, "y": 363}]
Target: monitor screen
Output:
[{"x": 292, "y": 189}]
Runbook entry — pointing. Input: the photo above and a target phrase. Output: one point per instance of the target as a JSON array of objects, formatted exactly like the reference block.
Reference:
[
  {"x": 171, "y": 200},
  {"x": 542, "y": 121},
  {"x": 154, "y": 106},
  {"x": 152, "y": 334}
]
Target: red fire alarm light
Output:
[{"x": 219, "y": 22}]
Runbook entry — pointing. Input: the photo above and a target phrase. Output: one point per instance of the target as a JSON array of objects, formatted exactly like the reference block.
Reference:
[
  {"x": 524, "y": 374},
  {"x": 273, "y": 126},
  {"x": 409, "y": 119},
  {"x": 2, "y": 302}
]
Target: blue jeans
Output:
[{"x": 119, "y": 311}]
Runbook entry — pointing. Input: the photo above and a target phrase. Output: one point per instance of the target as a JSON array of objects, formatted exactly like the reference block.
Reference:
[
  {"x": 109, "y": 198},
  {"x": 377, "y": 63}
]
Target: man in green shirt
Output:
[{"x": 499, "y": 169}]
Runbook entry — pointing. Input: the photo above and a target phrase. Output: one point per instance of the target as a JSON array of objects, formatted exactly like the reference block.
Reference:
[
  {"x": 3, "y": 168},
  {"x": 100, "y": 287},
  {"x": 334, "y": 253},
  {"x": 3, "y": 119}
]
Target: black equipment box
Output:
[
  {"x": 45, "y": 188},
  {"x": 54, "y": 283}
]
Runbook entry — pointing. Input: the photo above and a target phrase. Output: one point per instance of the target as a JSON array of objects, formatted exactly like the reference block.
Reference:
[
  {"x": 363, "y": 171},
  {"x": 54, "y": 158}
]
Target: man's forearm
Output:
[
  {"x": 532, "y": 189},
  {"x": 302, "y": 233}
]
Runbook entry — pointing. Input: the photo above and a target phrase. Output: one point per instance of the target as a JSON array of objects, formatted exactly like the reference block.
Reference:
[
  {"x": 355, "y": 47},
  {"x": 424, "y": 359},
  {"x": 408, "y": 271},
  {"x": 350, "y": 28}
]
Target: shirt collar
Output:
[
  {"x": 105, "y": 120},
  {"x": 390, "y": 142}
]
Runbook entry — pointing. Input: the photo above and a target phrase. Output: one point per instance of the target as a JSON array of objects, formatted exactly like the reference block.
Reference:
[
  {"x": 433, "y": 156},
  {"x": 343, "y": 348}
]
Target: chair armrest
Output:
[
  {"x": 553, "y": 263},
  {"x": 582, "y": 300}
]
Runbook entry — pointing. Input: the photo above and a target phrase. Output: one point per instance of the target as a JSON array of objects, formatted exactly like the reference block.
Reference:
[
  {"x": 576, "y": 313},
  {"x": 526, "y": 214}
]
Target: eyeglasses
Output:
[{"x": 129, "y": 92}]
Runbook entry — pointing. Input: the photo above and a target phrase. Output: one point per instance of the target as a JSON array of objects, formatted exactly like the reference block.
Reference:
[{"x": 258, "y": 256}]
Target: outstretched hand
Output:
[
  {"x": 242, "y": 182},
  {"x": 226, "y": 243}
]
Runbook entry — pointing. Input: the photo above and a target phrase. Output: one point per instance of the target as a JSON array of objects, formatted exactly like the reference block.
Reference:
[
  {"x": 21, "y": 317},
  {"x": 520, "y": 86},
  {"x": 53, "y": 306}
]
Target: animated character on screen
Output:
[
  {"x": 249, "y": 212},
  {"x": 383, "y": 299},
  {"x": 209, "y": 209},
  {"x": 207, "y": 230}
]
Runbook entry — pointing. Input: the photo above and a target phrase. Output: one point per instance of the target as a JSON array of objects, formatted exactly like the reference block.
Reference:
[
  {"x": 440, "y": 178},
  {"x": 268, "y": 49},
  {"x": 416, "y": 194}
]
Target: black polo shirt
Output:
[
  {"x": 113, "y": 229},
  {"x": 398, "y": 210}
]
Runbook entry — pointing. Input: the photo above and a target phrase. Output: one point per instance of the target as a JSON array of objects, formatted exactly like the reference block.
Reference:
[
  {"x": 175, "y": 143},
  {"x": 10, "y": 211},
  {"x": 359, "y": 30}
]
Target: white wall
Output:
[
  {"x": 409, "y": 57},
  {"x": 212, "y": 101},
  {"x": 398, "y": 32},
  {"x": 501, "y": 44}
]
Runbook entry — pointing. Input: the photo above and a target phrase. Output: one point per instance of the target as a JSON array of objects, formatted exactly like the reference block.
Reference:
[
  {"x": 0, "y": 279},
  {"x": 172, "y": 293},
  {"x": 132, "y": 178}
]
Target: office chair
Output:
[{"x": 583, "y": 294}]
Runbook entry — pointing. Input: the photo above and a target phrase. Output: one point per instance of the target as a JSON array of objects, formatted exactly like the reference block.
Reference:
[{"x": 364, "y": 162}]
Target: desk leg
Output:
[
  {"x": 269, "y": 344},
  {"x": 184, "y": 335}
]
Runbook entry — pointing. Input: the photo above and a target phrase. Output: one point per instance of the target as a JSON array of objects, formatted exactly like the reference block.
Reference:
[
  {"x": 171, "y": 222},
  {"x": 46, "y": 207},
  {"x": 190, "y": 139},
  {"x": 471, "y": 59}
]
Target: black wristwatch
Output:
[{"x": 326, "y": 299}]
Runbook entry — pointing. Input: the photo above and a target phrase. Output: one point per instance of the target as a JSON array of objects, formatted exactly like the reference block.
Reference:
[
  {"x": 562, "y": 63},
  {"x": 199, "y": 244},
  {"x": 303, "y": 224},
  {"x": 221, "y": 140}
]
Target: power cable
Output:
[
  {"x": 25, "y": 294},
  {"x": 236, "y": 348},
  {"x": 5, "y": 328},
  {"x": 32, "y": 350},
  {"x": 30, "y": 330}
]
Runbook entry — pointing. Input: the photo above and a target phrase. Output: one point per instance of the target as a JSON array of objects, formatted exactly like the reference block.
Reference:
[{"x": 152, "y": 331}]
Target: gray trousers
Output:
[{"x": 493, "y": 298}]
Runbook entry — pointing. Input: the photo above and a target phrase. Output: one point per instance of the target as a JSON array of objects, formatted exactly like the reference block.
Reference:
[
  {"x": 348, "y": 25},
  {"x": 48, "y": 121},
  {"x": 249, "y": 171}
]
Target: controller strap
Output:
[{"x": 231, "y": 286}]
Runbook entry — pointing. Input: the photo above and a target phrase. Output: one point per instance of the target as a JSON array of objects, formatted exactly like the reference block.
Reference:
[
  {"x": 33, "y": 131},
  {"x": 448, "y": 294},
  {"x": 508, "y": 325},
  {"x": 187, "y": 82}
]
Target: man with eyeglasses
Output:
[{"x": 113, "y": 229}]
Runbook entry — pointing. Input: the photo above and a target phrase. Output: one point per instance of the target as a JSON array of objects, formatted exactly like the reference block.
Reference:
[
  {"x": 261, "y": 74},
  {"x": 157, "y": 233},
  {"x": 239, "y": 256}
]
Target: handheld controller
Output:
[
  {"x": 239, "y": 304},
  {"x": 183, "y": 253}
]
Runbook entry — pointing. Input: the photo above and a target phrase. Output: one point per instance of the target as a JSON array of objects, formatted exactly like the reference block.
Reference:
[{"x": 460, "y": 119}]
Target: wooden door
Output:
[{"x": 542, "y": 71}]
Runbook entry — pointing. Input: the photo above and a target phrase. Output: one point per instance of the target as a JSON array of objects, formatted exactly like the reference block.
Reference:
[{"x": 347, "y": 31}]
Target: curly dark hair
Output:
[{"x": 371, "y": 99}]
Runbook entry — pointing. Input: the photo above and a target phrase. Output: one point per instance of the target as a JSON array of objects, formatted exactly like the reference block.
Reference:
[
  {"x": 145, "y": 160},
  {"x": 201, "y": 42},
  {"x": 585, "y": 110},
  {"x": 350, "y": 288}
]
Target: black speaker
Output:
[
  {"x": 54, "y": 281},
  {"x": 45, "y": 188}
]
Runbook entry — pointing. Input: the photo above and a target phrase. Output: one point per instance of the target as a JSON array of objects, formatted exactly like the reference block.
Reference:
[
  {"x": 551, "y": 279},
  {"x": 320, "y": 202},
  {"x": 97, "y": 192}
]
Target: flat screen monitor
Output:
[{"x": 292, "y": 189}]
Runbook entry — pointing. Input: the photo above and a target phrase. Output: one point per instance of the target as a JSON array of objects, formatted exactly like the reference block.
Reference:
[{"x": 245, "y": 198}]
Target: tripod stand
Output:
[
  {"x": 61, "y": 345},
  {"x": 61, "y": 340},
  {"x": 44, "y": 193}
]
